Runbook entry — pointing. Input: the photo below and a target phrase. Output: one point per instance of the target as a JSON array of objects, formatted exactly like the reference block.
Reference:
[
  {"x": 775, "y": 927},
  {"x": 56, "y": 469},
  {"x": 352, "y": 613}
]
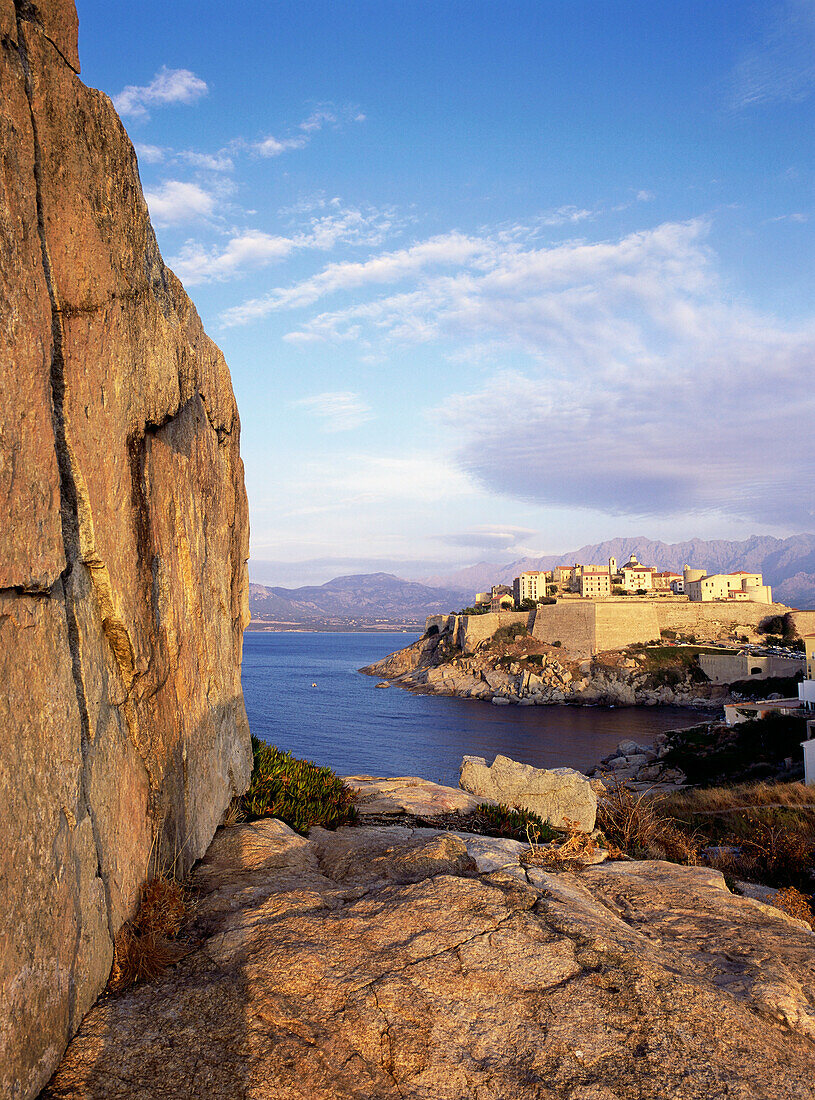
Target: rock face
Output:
[
  {"x": 411, "y": 965},
  {"x": 122, "y": 552},
  {"x": 558, "y": 795}
]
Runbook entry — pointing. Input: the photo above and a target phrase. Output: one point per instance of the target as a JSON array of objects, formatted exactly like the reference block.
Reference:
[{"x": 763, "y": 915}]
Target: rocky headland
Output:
[{"x": 529, "y": 672}]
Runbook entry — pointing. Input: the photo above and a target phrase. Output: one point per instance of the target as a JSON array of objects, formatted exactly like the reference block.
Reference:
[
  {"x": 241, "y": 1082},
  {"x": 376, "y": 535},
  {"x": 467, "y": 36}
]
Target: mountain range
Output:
[
  {"x": 787, "y": 564},
  {"x": 366, "y": 597}
]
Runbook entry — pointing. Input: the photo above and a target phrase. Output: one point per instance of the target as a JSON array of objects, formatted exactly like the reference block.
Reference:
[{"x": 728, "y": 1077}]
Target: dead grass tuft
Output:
[
  {"x": 146, "y": 945},
  {"x": 637, "y": 825},
  {"x": 795, "y": 904}
]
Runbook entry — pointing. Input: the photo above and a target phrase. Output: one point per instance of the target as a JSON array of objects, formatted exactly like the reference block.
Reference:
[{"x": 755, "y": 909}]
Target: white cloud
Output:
[
  {"x": 451, "y": 250},
  {"x": 645, "y": 196},
  {"x": 209, "y": 162},
  {"x": 317, "y": 119},
  {"x": 273, "y": 147},
  {"x": 337, "y": 411},
  {"x": 646, "y": 389},
  {"x": 782, "y": 67},
  {"x": 175, "y": 201},
  {"x": 149, "y": 154},
  {"x": 196, "y": 264},
  {"x": 489, "y": 537},
  {"x": 251, "y": 248},
  {"x": 167, "y": 86}
]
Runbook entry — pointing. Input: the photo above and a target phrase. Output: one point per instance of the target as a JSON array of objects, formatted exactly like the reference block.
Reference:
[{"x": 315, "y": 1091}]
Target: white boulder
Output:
[{"x": 558, "y": 795}]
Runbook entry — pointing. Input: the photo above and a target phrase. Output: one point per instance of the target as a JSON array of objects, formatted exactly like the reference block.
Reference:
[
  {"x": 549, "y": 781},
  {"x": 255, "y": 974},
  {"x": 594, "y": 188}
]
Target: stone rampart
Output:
[
  {"x": 570, "y": 622},
  {"x": 716, "y": 618},
  {"x": 618, "y": 625},
  {"x": 726, "y": 668},
  {"x": 472, "y": 629}
]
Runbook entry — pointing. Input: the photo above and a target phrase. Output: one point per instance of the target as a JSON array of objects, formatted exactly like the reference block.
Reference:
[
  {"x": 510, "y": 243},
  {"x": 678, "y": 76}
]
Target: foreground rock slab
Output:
[
  {"x": 558, "y": 795},
  {"x": 408, "y": 794},
  {"x": 388, "y": 962}
]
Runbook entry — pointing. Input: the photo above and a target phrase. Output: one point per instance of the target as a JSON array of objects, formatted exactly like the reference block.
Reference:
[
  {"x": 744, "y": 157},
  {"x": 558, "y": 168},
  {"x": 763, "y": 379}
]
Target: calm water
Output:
[{"x": 354, "y": 727}]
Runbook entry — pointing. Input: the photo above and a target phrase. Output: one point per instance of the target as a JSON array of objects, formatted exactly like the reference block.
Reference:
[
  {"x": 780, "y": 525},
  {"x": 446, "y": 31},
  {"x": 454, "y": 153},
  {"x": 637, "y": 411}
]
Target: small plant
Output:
[
  {"x": 515, "y": 823},
  {"x": 297, "y": 791},
  {"x": 636, "y": 825},
  {"x": 795, "y": 904},
  {"x": 146, "y": 945},
  {"x": 510, "y": 633},
  {"x": 572, "y": 854}
]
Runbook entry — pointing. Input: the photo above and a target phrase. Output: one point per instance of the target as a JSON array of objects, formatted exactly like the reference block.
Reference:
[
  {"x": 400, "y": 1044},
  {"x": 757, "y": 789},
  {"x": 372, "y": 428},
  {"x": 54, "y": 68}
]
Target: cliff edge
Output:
[{"x": 123, "y": 587}]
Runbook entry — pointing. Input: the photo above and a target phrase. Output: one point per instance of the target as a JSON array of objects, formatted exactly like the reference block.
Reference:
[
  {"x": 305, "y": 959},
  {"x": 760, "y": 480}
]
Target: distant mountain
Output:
[
  {"x": 366, "y": 596},
  {"x": 787, "y": 564}
]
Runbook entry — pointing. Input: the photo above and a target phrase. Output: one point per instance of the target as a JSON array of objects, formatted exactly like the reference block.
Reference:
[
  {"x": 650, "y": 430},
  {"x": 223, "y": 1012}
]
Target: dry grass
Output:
[
  {"x": 572, "y": 853},
  {"x": 146, "y": 945},
  {"x": 638, "y": 825},
  {"x": 744, "y": 796},
  {"x": 795, "y": 904}
]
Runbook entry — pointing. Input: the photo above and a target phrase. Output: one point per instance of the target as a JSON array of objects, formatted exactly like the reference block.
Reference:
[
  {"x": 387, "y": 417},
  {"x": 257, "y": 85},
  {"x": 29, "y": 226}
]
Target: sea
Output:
[{"x": 303, "y": 693}]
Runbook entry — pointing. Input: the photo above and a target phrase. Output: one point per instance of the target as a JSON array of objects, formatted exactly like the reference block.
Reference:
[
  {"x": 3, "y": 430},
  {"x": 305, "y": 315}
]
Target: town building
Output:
[
  {"x": 701, "y": 588},
  {"x": 530, "y": 586},
  {"x": 664, "y": 582},
  {"x": 806, "y": 689},
  {"x": 594, "y": 581},
  {"x": 634, "y": 576}
]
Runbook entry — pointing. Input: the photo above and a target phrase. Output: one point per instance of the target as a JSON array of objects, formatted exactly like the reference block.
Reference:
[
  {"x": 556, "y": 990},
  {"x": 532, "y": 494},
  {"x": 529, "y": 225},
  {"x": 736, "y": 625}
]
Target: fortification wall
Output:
[
  {"x": 571, "y": 623},
  {"x": 472, "y": 629},
  {"x": 725, "y": 668},
  {"x": 714, "y": 619},
  {"x": 620, "y": 624},
  {"x": 804, "y": 622}
]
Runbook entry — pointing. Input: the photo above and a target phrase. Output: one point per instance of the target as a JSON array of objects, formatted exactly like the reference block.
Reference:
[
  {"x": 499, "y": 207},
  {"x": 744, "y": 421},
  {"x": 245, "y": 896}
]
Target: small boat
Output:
[{"x": 314, "y": 685}]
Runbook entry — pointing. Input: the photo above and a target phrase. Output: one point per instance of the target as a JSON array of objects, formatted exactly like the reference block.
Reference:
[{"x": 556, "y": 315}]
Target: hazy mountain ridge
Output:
[
  {"x": 360, "y": 596},
  {"x": 787, "y": 564}
]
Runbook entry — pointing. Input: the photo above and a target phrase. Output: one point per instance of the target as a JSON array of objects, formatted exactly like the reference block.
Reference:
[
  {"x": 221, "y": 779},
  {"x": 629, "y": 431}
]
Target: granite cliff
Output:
[{"x": 123, "y": 588}]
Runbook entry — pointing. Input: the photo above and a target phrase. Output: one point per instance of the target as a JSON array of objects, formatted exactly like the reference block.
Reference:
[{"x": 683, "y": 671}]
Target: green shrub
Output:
[
  {"x": 510, "y": 632},
  {"x": 296, "y": 791},
  {"x": 513, "y": 822}
]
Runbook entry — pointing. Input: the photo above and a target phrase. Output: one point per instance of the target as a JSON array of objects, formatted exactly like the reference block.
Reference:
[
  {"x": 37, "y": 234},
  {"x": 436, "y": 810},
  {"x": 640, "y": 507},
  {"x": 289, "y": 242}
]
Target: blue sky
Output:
[{"x": 493, "y": 279}]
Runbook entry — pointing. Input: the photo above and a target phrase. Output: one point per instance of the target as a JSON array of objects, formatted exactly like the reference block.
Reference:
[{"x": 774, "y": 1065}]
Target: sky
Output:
[{"x": 493, "y": 279}]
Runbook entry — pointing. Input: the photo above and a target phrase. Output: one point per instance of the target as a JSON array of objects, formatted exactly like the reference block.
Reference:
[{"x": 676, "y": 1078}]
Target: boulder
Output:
[
  {"x": 378, "y": 796},
  {"x": 558, "y": 795}
]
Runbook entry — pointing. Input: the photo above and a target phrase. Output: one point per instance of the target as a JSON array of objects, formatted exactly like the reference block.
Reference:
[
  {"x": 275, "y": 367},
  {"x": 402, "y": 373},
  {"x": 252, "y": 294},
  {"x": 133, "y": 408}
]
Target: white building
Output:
[
  {"x": 530, "y": 586},
  {"x": 806, "y": 689},
  {"x": 701, "y": 588}
]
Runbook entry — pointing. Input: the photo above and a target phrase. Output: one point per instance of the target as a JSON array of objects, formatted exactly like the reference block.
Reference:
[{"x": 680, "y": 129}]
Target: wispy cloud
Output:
[
  {"x": 251, "y": 249},
  {"x": 327, "y": 114},
  {"x": 448, "y": 250},
  {"x": 194, "y": 263},
  {"x": 273, "y": 147},
  {"x": 336, "y": 411},
  {"x": 175, "y": 201},
  {"x": 782, "y": 66},
  {"x": 209, "y": 162},
  {"x": 149, "y": 154},
  {"x": 645, "y": 391},
  {"x": 489, "y": 537},
  {"x": 168, "y": 86}
]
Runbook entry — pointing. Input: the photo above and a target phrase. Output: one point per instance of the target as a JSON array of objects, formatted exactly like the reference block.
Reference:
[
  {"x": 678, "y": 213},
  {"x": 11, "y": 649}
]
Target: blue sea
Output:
[{"x": 303, "y": 693}]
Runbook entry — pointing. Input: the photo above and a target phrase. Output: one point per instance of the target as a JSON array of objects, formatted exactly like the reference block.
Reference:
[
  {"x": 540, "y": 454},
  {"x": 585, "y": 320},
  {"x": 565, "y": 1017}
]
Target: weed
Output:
[
  {"x": 636, "y": 824},
  {"x": 795, "y": 904},
  {"x": 146, "y": 945},
  {"x": 514, "y": 823},
  {"x": 297, "y": 791},
  {"x": 572, "y": 854}
]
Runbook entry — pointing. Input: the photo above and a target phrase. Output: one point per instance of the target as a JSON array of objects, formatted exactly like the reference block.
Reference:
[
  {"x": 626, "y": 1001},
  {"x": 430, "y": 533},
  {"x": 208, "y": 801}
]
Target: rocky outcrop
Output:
[
  {"x": 411, "y": 964},
  {"x": 561, "y": 796},
  {"x": 122, "y": 554},
  {"x": 544, "y": 675}
]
